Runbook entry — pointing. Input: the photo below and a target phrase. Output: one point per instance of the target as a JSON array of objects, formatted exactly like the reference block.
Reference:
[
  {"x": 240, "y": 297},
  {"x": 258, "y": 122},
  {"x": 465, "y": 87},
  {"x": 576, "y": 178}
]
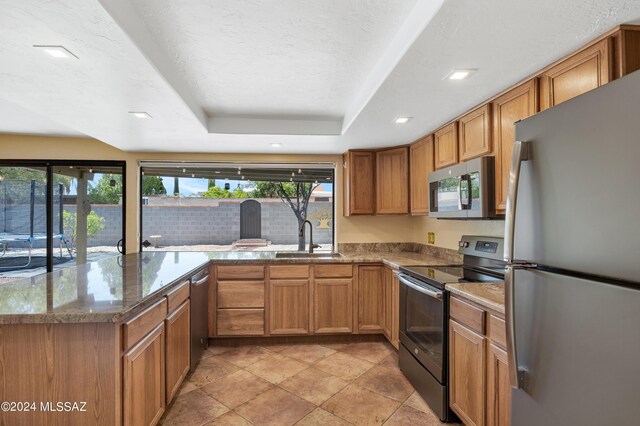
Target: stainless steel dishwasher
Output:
[{"x": 199, "y": 307}]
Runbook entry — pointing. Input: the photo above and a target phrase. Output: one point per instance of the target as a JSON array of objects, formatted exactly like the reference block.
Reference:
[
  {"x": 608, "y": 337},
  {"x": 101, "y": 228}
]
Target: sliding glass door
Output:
[{"x": 57, "y": 214}]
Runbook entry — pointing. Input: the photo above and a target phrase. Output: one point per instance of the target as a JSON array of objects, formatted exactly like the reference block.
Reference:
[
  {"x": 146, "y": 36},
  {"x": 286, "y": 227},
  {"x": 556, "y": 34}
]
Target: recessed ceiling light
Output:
[
  {"x": 402, "y": 120},
  {"x": 56, "y": 51},
  {"x": 140, "y": 114},
  {"x": 276, "y": 145},
  {"x": 459, "y": 74}
]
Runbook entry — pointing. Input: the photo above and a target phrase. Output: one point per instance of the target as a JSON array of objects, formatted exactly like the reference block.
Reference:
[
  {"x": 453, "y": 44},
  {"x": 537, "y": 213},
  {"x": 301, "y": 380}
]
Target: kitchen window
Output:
[
  {"x": 57, "y": 214},
  {"x": 211, "y": 206}
]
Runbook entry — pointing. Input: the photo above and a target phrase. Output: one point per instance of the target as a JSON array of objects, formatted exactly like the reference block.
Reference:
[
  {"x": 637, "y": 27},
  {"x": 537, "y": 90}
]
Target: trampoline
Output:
[{"x": 23, "y": 218}]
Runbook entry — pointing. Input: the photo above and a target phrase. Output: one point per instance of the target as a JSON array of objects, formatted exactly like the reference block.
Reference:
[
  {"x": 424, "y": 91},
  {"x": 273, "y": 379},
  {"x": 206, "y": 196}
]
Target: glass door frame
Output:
[{"x": 48, "y": 165}]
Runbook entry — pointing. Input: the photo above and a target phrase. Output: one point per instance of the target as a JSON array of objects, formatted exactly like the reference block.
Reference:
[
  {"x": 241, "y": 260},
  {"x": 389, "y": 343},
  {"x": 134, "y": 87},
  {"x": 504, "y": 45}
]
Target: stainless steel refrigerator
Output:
[{"x": 572, "y": 243}]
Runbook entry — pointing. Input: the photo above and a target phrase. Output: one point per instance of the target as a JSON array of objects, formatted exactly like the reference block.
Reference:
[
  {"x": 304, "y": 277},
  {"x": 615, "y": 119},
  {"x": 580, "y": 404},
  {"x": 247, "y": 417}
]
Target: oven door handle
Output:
[{"x": 420, "y": 289}]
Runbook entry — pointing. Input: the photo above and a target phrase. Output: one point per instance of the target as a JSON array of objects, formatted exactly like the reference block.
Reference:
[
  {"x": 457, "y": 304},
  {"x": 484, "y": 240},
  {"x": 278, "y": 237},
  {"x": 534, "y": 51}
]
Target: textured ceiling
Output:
[{"x": 129, "y": 62}]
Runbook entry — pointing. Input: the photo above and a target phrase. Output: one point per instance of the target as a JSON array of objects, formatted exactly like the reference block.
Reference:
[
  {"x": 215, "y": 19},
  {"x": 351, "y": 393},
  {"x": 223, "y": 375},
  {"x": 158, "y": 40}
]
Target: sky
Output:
[{"x": 190, "y": 186}]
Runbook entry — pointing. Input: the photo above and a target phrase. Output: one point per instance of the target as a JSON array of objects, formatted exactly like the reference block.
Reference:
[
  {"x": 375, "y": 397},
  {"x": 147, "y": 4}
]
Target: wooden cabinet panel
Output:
[
  {"x": 344, "y": 270},
  {"x": 627, "y": 50},
  {"x": 177, "y": 296},
  {"x": 289, "y": 271},
  {"x": 474, "y": 133},
  {"x": 178, "y": 348},
  {"x": 240, "y": 322},
  {"x": 578, "y": 74},
  {"x": 392, "y": 181},
  {"x": 144, "y": 380},
  {"x": 359, "y": 183},
  {"x": 240, "y": 294},
  {"x": 467, "y": 314},
  {"x": 421, "y": 164},
  {"x": 395, "y": 311},
  {"x": 467, "y": 374},
  {"x": 333, "y": 306},
  {"x": 498, "y": 331},
  {"x": 240, "y": 272},
  {"x": 388, "y": 303},
  {"x": 289, "y": 306},
  {"x": 498, "y": 388},
  {"x": 445, "y": 142},
  {"x": 139, "y": 326},
  {"x": 370, "y": 299},
  {"x": 517, "y": 104}
]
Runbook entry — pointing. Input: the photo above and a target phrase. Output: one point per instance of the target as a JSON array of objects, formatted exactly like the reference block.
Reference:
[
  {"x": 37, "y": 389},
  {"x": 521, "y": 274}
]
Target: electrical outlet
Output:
[{"x": 431, "y": 237}]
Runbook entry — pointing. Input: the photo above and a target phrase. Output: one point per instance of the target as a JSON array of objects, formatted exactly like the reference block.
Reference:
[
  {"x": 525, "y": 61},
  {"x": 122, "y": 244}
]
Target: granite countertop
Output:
[
  {"x": 116, "y": 288},
  {"x": 490, "y": 295}
]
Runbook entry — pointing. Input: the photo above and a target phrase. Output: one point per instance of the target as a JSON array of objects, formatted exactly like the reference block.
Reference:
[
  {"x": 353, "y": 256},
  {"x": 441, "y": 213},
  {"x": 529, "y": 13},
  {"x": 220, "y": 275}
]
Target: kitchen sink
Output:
[{"x": 303, "y": 255}]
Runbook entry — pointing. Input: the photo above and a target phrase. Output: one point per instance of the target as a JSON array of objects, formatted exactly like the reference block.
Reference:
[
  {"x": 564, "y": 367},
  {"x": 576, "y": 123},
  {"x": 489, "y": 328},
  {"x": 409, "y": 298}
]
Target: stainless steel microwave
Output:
[{"x": 463, "y": 191}]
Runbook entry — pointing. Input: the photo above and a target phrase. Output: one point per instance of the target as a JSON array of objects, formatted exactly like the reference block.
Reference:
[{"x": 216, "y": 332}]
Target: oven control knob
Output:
[
  {"x": 415, "y": 351},
  {"x": 463, "y": 244}
]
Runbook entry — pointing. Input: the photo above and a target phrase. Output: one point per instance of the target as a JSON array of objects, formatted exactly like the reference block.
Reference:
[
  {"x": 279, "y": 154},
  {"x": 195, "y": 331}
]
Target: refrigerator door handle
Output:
[{"x": 520, "y": 154}]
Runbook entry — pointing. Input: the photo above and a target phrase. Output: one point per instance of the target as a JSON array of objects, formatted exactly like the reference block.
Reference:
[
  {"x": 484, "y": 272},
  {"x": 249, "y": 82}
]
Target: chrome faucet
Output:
[{"x": 311, "y": 245}]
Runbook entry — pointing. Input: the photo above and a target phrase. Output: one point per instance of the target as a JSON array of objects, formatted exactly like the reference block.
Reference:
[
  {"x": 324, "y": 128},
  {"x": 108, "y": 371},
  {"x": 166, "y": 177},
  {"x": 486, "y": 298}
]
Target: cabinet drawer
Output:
[
  {"x": 142, "y": 324},
  {"x": 240, "y": 322},
  {"x": 497, "y": 331},
  {"x": 234, "y": 272},
  {"x": 467, "y": 315},
  {"x": 333, "y": 271},
  {"x": 289, "y": 271},
  {"x": 176, "y": 296},
  {"x": 241, "y": 294}
]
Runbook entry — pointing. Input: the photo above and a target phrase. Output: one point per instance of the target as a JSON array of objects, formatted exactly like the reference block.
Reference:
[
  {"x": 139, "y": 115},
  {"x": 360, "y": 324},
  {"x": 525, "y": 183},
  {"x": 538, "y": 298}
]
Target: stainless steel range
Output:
[{"x": 424, "y": 315}]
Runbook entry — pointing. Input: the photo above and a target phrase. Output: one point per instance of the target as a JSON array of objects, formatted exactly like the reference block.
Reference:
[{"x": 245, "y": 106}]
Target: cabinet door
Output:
[
  {"x": 370, "y": 299},
  {"x": 467, "y": 374},
  {"x": 333, "y": 306},
  {"x": 517, "y": 104},
  {"x": 392, "y": 181},
  {"x": 359, "y": 183},
  {"x": 289, "y": 306},
  {"x": 178, "y": 348},
  {"x": 582, "y": 72},
  {"x": 388, "y": 303},
  {"x": 445, "y": 143},
  {"x": 421, "y": 164},
  {"x": 498, "y": 388},
  {"x": 144, "y": 374},
  {"x": 474, "y": 133}
]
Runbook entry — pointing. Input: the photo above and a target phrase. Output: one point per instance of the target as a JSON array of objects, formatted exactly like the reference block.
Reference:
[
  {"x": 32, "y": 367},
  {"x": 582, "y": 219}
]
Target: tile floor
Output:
[{"x": 303, "y": 384}]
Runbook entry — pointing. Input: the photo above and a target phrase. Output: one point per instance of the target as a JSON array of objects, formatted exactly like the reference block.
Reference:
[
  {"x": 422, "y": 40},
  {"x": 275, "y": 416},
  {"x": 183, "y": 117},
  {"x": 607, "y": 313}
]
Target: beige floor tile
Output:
[
  {"x": 210, "y": 369},
  {"x": 314, "y": 385},
  {"x": 229, "y": 419},
  {"x": 277, "y": 368},
  {"x": 407, "y": 416},
  {"x": 307, "y": 353},
  {"x": 243, "y": 356},
  {"x": 193, "y": 408},
  {"x": 387, "y": 381},
  {"x": 335, "y": 346},
  {"x": 320, "y": 417},
  {"x": 236, "y": 388},
  {"x": 390, "y": 361},
  {"x": 277, "y": 347},
  {"x": 275, "y": 407},
  {"x": 416, "y": 401},
  {"x": 370, "y": 351},
  {"x": 361, "y": 406},
  {"x": 344, "y": 366},
  {"x": 216, "y": 350},
  {"x": 186, "y": 387}
]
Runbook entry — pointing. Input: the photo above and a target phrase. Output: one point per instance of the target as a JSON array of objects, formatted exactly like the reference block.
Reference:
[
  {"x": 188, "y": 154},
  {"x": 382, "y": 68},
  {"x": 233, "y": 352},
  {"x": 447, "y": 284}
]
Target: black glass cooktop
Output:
[{"x": 441, "y": 275}]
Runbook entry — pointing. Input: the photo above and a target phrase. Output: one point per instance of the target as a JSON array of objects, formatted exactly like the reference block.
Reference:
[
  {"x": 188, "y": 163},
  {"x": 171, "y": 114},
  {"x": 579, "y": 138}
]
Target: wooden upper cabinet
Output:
[
  {"x": 586, "y": 70},
  {"x": 359, "y": 183},
  {"x": 445, "y": 143},
  {"x": 421, "y": 164},
  {"x": 517, "y": 104},
  {"x": 474, "y": 133},
  {"x": 392, "y": 181},
  {"x": 626, "y": 43}
]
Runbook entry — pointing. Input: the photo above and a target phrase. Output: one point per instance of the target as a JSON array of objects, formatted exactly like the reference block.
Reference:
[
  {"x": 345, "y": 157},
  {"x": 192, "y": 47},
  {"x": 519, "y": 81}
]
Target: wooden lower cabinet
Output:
[
  {"x": 178, "y": 348},
  {"x": 467, "y": 374},
  {"x": 370, "y": 299},
  {"x": 333, "y": 305},
  {"x": 240, "y": 322},
  {"x": 388, "y": 303},
  {"x": 289, "y": 307},
  {"x": 144, "y": 380},
  {"x": 498, "y": 388},
  {"x": 395, "y": 311}
]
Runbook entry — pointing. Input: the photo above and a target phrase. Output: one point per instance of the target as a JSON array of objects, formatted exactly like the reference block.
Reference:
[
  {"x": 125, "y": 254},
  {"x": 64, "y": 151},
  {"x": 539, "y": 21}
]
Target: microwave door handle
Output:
[
  {"x": 520, "y": 154},
  {"x": 467, "y": 179},
  {"x": 423, "y": 290}
]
